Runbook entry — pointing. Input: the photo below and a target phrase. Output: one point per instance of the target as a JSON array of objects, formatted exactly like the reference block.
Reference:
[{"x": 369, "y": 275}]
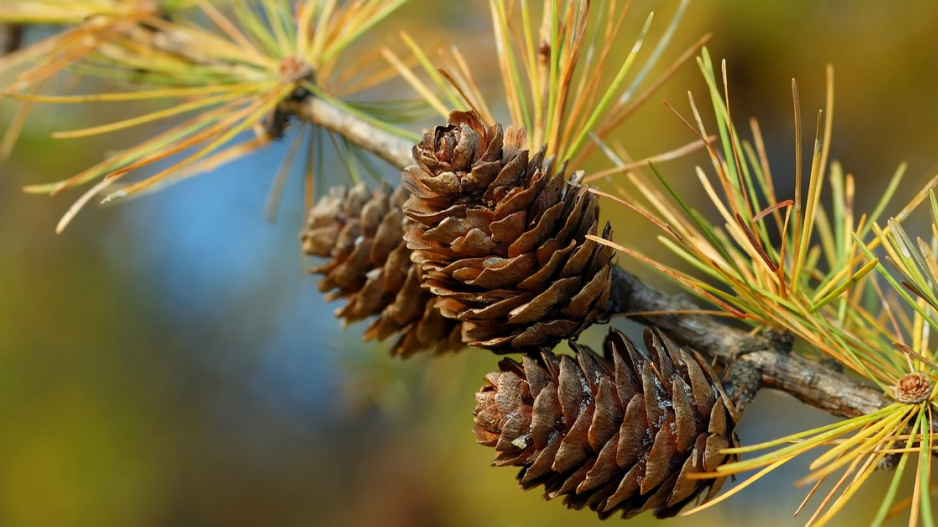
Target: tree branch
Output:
[
  {"x": 771, "y": 356},
  {"x": 754, "y": 361},
  {"x": 390, "y": 148},
  {"x": 767, "y": 360}
]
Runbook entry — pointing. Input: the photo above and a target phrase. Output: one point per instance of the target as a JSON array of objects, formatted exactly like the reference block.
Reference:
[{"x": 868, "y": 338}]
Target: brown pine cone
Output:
[
  {"x": 360, "y": 232},
  {"x": 616, "y": 433},
  {"x": 502, "y": 237}
]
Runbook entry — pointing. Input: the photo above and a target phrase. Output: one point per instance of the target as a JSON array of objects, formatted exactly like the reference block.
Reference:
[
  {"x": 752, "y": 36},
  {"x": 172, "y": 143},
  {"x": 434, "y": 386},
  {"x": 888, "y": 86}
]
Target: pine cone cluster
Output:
[
  {"x": 361, "y": 233},
  {"x": 501, "y": 237},
  {"x": 618, "y": 432}
]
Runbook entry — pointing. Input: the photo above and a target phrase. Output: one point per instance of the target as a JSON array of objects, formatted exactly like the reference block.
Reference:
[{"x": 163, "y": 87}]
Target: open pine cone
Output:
[
  {"x": 621, "y": 432},
  {"x": 502, "y": 239},
  {"x": 361, "y": 233}
]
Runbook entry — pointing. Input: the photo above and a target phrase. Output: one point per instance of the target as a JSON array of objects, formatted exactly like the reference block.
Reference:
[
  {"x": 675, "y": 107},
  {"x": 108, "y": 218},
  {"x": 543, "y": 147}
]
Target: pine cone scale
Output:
[
  {"x": 607, "y": 413},
  {"x": 605, "y": 432},
  {"x": 494, "y": 222},
  {"x": 361, "y": 232}
]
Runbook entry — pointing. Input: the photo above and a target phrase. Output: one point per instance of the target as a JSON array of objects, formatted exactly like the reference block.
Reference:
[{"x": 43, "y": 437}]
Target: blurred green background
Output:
[{"x": 169, "y": 362}]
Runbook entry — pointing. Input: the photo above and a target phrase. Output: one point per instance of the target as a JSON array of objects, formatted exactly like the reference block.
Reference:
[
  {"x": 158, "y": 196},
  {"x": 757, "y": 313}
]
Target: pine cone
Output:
[
  {"x": 501, "y": 237},
  {"x": 361, "y": 231},
  {"x": 616, "y": 433}
]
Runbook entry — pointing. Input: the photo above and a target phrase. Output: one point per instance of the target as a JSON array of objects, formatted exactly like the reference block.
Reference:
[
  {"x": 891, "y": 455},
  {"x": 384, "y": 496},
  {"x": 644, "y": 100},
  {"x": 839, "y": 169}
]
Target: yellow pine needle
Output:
[
  {"x": 273, "y": 14},
  {"x": 588, "y": 90},
  {"x": 929, "y": 258},
  {"x": 360, "y": 74},
  {"x": 622, "y": 110},
  {"x": 207, "y": 47},
  {"x": 206, "y": 165},
  {"x": 304, "y": 17},
  {"x": 323, "y": 30},
  {"x": 62, "y": 12},
  {"x": 230, "y": 30},
  {"x": 728, "y": 217},
  {"x": 263, "y": 23},
  {"x": 357, "y": 25},
  {"x": 155, "y": 144},
  {"x": 472, "y": 86},
  {"x": 632, "y": 206},
  {"x": 858, "y": 480},
  {"x": 150, "y": 117},
  {"x": 218, "y": 126},
  {"x": 15, "y": 128},
  {"x": 861, "y": 442},
  {"x": 738, "y": 488},
  {"x": 828, "y": 432},
  {"x": 276, "y": 188},
  {"x": 460, "y": 87},
  {"x": 132, "y": 95},
  {"x": 704, "y": 312},
  {"x": 80, "y": 204},
  {"x": 829, "y": 496},
  {"x": 845, "y": 286},
  {"x": 769, "y": 184},
  {"x": 825, "y": 232},
  {"x": 571, "y": 45},
  {"x": 796, "y": 102},
  {"x": 247, "y": 118},
  {"x": 63, "y": 50},
  {"x": 530, "y": 55},
  {"x": 914, "y": 354},
  {"x": 757, "y": 247},
  {"x": 430, "y": 70},
  {"x": 924, "y": 460},
  {"x": 698, "y": 287},
  {"x": 415, "y": 83},
  {"x": 658, "y": 204},
  {"x": 611, "y": 91},
  {"x": 659, "y": 158},
  {"x": 785, "y": 291},
  {"x": 847, "y": 264},
  {"x": 309, "y": 169},
  {"x": 512, "y": 83},
  {"x": 550, "y": 33},
  {"x": 734, "y": 146},
  {"x": 470, "y": 98}
]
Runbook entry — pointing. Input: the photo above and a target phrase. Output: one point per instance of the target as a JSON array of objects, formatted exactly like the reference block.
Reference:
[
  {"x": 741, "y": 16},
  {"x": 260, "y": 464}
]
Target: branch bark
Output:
[
  {"x": 754, "y": 361},
  {"x": 394, "y": 150},
  {"x": 768, "y": 355}
]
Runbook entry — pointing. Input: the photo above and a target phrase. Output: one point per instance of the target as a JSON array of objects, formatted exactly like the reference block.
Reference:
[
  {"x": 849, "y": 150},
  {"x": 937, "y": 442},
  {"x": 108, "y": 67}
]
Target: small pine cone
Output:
[
  {"x": 502, "y": 237},
  {"x": 360, "y": 232},
  {"x": 621, "y": 432}
]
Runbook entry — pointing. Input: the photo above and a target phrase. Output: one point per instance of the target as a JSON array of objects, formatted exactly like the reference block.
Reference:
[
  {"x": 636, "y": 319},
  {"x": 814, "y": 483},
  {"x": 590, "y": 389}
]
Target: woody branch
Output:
[{"x": 755, "y": 361}]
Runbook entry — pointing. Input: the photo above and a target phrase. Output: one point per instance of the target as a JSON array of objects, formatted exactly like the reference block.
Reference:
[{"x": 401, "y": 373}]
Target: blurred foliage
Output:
[{"x": 169, "y": 363}]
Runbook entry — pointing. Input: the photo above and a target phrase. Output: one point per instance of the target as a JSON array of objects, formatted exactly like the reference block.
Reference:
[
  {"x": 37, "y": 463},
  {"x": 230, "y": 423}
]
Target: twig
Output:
[
  {"x": 811, "y": 382},
  {"x": 754, "y": 361},
  {"x": 390, "y": 148}
]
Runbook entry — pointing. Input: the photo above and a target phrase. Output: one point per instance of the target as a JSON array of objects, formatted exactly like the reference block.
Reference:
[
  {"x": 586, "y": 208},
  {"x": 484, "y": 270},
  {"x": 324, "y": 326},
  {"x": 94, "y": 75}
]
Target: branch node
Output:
[{"x": 741, "y": 382}]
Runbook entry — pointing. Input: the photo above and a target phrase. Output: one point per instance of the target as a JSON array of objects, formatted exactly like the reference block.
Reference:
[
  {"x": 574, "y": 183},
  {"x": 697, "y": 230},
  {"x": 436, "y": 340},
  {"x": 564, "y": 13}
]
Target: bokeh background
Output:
[{"x": 168, "y": 362}]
